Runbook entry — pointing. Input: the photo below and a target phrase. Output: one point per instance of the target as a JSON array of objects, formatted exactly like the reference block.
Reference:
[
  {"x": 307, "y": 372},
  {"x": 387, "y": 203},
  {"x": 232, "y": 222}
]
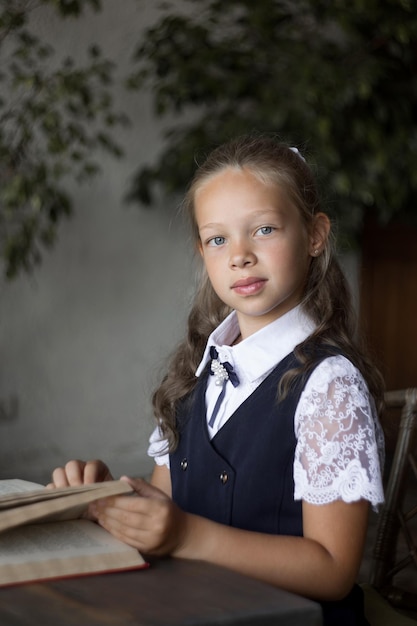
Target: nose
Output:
[{"x": 241, "y": 255}]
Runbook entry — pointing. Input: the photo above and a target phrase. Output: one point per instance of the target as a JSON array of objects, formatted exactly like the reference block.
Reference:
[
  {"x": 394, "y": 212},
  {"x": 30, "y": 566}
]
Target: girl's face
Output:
[{"x": 254, "y": 245}]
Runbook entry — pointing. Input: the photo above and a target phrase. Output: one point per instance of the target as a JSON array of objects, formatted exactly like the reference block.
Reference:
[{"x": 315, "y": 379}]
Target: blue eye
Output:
[
  {"x": 265, "y": 230},
  {"x": 216, "y": 241}
]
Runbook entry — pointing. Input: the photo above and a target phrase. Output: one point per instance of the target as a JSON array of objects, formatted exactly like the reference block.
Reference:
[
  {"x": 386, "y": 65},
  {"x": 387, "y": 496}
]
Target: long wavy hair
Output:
[{"x": 327, "y": 299}]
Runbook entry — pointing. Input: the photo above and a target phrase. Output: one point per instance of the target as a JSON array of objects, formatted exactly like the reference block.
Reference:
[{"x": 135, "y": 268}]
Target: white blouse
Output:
[{"x": 340, "y": 443}]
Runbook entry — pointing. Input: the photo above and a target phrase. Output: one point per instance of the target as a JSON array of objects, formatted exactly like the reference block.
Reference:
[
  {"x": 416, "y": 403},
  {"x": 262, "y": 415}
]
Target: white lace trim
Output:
[{"x": 340, "y": 447}]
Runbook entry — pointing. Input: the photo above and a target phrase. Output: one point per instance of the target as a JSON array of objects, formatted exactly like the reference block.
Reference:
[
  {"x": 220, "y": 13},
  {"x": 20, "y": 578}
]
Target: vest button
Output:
[
  {"x": 224, "y": 477},
  {"x": 184, "y": 464}
]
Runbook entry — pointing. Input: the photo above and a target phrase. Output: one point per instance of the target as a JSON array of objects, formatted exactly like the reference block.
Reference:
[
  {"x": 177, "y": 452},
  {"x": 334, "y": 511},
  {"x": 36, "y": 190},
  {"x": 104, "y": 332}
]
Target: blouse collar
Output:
[{"x": 255, "y": 356}]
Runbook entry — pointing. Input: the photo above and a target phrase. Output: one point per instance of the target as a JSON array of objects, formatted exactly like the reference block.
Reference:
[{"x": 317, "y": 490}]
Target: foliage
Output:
[
  {"x": 335, "y": 77},
  {"x": 54, "y": 114}
]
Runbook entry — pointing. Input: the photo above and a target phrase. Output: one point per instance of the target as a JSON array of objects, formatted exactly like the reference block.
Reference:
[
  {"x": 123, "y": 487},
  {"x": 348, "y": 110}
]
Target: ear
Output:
[{"x": 319, "y": 234}]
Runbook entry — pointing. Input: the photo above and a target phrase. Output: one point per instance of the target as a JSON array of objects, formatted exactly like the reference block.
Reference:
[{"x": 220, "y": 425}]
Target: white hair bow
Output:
[{"x": 296, "y": 150}]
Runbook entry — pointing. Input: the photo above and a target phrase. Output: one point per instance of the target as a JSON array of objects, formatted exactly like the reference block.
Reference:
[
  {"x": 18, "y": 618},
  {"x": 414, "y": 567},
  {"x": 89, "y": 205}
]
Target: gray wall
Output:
[{"x": 83, "y": 339}]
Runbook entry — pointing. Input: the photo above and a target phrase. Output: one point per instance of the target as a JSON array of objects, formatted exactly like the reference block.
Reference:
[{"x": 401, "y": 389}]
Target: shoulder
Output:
[
  {"x": 335, "y": 373},
  {"x": 336, "y": 365}
]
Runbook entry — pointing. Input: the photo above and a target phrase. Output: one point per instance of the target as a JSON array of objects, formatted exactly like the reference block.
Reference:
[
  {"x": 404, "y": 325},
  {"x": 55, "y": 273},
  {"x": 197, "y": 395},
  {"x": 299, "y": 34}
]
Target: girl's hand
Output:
[
  {"x": 80, "y": 473},
  {"x": 148, "y": 520}
]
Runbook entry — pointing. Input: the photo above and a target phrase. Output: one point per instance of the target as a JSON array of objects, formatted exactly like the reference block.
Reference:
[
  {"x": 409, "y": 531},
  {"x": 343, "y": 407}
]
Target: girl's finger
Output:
[{"x": 96, "y": 471}]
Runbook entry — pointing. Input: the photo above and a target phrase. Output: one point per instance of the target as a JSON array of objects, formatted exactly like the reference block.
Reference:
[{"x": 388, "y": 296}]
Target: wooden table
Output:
[{"x": 171, "y": 592}]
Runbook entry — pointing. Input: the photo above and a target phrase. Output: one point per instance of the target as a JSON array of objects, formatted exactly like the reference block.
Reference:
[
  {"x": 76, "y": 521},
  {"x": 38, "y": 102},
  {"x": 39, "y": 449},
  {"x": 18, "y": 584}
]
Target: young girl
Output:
[{"x": 268, "y": 449}]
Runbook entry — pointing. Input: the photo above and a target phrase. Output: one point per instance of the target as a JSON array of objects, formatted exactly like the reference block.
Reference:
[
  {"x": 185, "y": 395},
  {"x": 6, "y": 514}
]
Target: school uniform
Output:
[{"x": 251, "y": 466}]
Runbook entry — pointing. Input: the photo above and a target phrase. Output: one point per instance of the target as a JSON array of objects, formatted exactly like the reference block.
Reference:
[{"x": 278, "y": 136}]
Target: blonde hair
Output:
[{"x": 327, "y": 298}]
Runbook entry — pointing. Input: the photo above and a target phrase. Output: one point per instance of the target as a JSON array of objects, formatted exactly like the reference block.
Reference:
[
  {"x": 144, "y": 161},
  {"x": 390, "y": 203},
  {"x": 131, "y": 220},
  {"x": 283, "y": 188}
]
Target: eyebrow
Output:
[
  {"x": 213, "y": 225},
  {"x": 257, "y": 215}
]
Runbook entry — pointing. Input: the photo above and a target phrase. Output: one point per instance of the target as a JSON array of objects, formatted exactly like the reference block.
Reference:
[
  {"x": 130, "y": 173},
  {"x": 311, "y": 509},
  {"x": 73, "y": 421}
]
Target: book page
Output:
[
  {"x": 27, "y": 494},
  {"x": 62, "y": 539},
  {"x": 17, "y": 485},
  {"x": 16, "y": 492},
  {"x": 61, "y": 549},
  {"x": 65, "y": 503}
]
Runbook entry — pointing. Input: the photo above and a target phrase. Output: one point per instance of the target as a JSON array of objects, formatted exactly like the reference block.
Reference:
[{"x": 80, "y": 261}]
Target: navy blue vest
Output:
[{"x": 243, "y": 477}]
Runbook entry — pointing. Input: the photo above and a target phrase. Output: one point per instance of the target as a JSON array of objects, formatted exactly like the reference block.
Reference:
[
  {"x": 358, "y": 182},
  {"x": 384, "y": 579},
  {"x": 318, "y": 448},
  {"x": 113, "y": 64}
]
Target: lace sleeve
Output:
[
  {"x": 340, "y": 444},
  {"x": 158, "y": 448}
]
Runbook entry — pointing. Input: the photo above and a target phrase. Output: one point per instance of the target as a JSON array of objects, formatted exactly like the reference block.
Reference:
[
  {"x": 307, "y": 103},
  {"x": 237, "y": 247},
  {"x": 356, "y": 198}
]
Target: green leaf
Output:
[{"x": 54, "y": 116}]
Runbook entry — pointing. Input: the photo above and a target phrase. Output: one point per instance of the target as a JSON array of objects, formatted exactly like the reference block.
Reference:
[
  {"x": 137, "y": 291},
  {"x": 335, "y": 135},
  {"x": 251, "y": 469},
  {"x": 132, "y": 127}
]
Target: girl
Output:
[{"x": 268, "y": 449}]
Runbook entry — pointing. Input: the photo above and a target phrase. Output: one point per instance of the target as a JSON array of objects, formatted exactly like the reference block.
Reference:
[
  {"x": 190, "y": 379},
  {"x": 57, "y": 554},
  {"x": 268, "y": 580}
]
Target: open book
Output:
[{"x": 42, "y": 534}]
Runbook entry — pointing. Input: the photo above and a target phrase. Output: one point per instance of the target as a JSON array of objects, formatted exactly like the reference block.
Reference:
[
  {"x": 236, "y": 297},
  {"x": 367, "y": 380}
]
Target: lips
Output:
[{"x": 248, "y": 286}]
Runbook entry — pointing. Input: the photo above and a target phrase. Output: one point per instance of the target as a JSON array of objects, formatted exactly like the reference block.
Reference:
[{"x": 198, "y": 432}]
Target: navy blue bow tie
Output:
[{"x": 223, "y": 372}]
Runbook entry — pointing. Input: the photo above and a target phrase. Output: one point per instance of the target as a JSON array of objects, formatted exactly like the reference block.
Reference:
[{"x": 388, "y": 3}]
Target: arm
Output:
[
  {"x": 323, "y": 564},
  {"x": 161, "y": 479}
]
